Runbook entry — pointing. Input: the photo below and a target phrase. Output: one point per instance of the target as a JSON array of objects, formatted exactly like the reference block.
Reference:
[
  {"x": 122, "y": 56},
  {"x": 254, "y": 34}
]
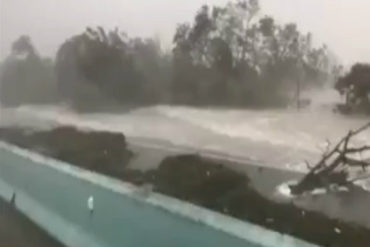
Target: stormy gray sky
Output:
[{"x": 342, "y": 24}]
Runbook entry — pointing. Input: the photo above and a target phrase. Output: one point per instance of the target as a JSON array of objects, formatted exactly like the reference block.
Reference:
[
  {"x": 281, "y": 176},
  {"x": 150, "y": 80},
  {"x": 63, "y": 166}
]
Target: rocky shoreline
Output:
[{"x": 192, "y": 178}]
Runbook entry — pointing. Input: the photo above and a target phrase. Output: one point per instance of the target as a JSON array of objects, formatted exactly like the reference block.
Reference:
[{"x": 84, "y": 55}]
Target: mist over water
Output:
[{"x": 282, "y": 138}]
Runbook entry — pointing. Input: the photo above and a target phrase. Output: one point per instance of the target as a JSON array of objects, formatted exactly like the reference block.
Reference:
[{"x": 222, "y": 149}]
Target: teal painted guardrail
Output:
[{"x": 54, "y": 195}]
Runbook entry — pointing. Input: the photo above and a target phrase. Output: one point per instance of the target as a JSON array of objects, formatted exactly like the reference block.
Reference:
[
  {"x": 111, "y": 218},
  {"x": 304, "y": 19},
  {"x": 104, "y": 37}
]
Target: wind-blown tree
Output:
[
  {"x": 355, "y": 86},
  {"x": 96, "y": 64},
  {"x": 25, "y": 77},
  {"x": 97, "y": 67},
  {"x": 154, "y": 66},
  {"x": 234, "y": 55}
]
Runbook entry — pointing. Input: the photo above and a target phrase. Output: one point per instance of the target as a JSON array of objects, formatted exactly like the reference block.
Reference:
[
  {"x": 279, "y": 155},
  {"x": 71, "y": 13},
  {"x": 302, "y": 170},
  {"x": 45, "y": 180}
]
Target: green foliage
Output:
[
  {"x": 110, "y": 66},
  {"x": 23, "y": 45},
  {"x": 25, "y": 77},
  {"x": 99, "y": 63},
  {"x": 232, "y": 55},
  {"x": 355, "y": 85}
]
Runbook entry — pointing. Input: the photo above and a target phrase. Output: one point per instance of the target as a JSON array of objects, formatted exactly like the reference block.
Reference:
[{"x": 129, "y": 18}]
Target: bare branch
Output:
[
  {"x": 359, "y": 178},
  {"x": 308, "y": 165},
  {"x": 358, "y": 150},
  {"x": 328, "y": 145},
  {"x": 366, "y": 126},
  {"x": 334, "y": 164},
  {"x": 356, "y": 163}
]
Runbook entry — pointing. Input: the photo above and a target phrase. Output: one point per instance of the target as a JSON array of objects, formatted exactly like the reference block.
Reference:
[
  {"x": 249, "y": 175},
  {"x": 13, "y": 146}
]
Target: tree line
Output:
[
  {"x": 230, "y": 55},
  {"x": 355, "y": 87}
]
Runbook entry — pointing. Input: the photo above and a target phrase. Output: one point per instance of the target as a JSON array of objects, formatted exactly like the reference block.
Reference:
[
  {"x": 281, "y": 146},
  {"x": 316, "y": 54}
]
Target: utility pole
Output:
[
  {"x": 298, "y": 92},
  {"x": 299, "y": 76}
]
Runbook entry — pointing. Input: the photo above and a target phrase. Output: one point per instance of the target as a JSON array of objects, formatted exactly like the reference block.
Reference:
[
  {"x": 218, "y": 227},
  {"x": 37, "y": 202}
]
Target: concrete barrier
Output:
[{"x": 55, "y": 196}]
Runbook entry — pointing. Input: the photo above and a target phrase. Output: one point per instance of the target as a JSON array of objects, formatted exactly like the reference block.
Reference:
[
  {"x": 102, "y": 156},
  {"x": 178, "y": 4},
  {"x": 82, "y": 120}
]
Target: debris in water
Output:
[
  {"x": 332, "y": 169},
  {"x": 319, "y": 191},
  {"x": 284, "y": 189}
]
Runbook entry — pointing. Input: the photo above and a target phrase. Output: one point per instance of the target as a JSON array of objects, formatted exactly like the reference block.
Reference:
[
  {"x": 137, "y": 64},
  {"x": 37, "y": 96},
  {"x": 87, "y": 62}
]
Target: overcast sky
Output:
[{"x": 342, "y": 24}]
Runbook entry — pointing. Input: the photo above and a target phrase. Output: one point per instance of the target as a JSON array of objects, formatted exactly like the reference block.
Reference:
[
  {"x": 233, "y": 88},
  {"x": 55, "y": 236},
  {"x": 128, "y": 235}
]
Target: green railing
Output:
[{"x": 55, "y": 194}]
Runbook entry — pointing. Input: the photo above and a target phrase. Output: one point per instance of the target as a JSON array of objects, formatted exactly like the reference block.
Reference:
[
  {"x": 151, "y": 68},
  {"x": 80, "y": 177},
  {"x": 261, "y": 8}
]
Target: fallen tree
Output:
[{"x": 333, "y": 168}]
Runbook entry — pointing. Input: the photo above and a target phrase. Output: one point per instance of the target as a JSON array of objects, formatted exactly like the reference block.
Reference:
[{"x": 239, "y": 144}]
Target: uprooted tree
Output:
[{"x": 334, "y": 167}]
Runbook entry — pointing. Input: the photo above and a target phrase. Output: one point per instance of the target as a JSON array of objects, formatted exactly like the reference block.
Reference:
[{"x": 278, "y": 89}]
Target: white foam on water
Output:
[
  {"x": 284, "y": 189},
  {"x": 279, "y": 138},
  {"x": 364, "y": 184}
]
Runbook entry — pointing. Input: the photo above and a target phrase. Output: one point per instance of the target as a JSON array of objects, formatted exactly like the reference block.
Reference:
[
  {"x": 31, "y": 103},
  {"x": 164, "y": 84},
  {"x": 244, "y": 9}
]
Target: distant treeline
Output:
[
  {"x": 355, "y": 86},
  {"x": 230, "y": 56}
]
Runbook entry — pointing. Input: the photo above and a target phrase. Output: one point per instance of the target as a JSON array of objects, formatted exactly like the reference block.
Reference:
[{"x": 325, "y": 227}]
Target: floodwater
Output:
[{"x": 281, "y": 138}]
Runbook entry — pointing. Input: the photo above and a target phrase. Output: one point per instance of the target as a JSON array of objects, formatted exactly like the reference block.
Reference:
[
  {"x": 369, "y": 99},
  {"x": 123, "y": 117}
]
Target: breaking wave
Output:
[{"x": 280, "y": 138}]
